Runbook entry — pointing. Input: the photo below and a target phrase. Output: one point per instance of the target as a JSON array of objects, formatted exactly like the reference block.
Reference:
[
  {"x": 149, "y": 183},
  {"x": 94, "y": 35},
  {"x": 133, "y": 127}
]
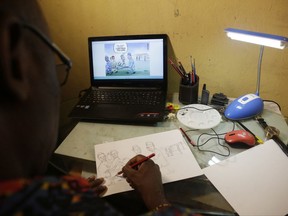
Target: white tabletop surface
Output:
[{"x": 80, "y": 142}]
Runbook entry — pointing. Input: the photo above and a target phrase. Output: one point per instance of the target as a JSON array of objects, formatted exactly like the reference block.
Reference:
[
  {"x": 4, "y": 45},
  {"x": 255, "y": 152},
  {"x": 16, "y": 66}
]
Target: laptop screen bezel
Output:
[{"x": 157, "y": 83}]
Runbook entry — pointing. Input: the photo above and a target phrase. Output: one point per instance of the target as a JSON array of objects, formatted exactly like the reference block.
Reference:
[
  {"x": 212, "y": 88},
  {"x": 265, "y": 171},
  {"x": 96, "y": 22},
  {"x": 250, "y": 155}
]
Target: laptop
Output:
[{"x": 128, "y": 79}]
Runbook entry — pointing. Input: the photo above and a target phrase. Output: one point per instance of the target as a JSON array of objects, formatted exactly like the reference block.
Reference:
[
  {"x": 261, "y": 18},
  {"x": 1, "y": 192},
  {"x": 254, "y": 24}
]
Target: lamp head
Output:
[
  {"x": 263, "y": 39},
  {"x": 250, "y": 105}
]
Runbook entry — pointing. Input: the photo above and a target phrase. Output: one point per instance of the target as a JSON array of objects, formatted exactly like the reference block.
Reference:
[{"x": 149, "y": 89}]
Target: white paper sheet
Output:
[
  {"x": 172, "y": 154},
  {"x": 254, "y": 182}
]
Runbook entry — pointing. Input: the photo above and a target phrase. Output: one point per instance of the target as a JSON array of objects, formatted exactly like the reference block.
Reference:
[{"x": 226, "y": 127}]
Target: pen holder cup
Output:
[{"x": 188, "y": 94}]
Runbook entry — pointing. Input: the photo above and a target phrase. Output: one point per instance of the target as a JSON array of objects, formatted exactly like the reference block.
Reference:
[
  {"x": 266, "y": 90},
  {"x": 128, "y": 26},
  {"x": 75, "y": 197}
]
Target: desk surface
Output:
[
  {"x": 80, "y": 142},
  {"x": 197, "y": 192}
]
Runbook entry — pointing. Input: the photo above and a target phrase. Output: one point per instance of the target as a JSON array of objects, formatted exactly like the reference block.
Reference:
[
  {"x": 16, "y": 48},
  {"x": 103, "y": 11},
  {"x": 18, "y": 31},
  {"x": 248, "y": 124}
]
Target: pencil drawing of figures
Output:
[
  {"x": 116, "y": 163},
  {"x": 136, "y": 149},
  {"x": 159, "y": 158},
  {"x": 175, "y": 149},
  {"x": 109, "y": 166},
  {"x": 170, "y": 149},
  {"x": 104, "y": 165}
]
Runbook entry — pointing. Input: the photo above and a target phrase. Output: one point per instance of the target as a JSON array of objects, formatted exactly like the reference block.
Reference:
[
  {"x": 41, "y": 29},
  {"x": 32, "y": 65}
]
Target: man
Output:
[
  {"x": 29, "y": 113},
  {"x": 29, "y": 106},
  {"x": 108, "y": 66},
  {"x": 131, "y": 64}
]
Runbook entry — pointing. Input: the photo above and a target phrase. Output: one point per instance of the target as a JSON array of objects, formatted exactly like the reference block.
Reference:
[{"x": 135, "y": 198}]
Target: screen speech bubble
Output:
[{"x": 120, "y": 47}]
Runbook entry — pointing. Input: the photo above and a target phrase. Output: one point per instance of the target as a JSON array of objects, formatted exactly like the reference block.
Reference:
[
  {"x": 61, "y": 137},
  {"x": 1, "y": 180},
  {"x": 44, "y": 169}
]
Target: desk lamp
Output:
[{"x": 250, "y": 105}]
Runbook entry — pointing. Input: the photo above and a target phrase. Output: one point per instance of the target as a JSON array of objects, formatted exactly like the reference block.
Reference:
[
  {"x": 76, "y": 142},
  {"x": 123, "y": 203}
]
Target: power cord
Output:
[{"x": 274, "y": 103}]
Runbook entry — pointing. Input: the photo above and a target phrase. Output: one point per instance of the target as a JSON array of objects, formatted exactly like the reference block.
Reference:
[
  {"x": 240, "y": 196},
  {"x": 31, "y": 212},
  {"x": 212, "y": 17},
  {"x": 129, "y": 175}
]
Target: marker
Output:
[
  {"x": 187, "y": 137},
  {"x": 139, "y": 162}
]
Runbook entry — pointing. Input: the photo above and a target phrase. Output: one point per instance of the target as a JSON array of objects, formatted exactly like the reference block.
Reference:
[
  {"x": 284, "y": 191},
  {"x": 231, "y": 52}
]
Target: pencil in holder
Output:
[{"x": 188, "y": 93}]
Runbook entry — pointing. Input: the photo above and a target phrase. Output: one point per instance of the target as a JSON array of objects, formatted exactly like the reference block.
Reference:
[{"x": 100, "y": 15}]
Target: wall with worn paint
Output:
[{"x": 194, "y": 27}]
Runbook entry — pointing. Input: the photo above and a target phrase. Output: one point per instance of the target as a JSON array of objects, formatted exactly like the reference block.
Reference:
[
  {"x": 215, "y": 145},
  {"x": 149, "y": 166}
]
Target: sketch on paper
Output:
[
  {"x": 109, "y": 165},
  {"x": 172, "y": 154}
]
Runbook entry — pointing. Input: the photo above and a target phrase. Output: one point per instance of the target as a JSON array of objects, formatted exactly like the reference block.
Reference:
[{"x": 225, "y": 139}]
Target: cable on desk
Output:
[
  {"x": 196, "y": 108},
  {"x": 215, "y": 135},
  {"x": 211, "y": 138},
  {"x": 274, "y": 103}
]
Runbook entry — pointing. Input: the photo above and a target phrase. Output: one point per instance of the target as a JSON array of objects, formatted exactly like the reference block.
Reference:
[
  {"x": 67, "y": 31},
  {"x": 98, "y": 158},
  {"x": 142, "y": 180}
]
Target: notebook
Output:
[{"x": 128, "y": 79}]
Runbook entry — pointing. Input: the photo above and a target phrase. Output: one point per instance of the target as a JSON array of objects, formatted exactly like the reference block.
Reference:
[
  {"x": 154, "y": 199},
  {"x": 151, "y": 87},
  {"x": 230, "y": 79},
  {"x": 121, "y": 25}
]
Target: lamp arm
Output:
[{"x": 259, "y": 70}]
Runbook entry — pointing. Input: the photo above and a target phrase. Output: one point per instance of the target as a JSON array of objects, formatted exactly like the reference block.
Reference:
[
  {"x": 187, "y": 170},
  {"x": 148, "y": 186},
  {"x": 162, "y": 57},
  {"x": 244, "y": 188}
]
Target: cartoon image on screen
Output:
[{"x": 122, "y": 59}]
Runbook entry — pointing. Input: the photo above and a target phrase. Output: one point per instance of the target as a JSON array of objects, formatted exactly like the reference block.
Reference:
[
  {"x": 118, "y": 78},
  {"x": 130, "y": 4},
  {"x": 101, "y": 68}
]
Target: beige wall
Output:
[{"x": 195, "y": 28}]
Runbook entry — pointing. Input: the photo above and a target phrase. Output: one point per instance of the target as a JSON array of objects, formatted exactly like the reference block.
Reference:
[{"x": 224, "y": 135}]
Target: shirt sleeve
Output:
[{"x": 51, "y": 196}]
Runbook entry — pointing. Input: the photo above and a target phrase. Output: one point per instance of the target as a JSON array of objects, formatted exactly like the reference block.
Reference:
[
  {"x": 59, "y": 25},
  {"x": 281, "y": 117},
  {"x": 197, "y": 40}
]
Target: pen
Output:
[
  {"x": 139, "y": 162},
  {"x": 187, "y": 137}
]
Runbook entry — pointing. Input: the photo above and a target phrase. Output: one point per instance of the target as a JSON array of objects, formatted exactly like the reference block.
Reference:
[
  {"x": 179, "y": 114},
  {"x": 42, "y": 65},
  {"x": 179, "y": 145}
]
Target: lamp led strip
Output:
[{"x": 263, "y": 39}]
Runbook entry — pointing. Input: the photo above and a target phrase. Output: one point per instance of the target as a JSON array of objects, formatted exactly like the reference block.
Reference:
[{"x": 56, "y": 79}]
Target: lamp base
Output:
[{"x": 244, "y": 107}]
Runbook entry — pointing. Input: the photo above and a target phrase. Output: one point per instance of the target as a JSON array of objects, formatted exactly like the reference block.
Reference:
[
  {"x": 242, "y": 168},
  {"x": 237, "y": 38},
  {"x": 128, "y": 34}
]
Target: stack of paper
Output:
[{"x": 254, "y": 182}]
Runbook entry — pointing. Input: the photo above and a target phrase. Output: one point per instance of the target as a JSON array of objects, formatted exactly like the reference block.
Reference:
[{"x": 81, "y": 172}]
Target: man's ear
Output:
[{"x": 13, "y": 61}]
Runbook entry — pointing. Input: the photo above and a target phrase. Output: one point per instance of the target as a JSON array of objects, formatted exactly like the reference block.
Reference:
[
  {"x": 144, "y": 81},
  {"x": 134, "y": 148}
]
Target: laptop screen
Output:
[{"x": 129, "y": 60}]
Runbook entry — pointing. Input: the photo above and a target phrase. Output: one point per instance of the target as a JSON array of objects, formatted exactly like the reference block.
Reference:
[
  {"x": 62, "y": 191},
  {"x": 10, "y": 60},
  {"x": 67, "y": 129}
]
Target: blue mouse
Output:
[{"x": 244, "y": 107}]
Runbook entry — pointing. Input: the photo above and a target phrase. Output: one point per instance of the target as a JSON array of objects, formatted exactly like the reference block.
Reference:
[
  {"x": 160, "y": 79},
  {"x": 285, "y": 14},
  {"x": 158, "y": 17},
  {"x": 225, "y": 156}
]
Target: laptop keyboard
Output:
[{"x": 123, "y": 96}]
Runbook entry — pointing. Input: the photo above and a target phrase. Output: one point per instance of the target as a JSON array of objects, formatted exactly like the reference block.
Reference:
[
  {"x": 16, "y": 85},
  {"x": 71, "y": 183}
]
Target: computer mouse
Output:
[
  {"x": 240, "y": 139},
  {"x": 244, "y": 107}
]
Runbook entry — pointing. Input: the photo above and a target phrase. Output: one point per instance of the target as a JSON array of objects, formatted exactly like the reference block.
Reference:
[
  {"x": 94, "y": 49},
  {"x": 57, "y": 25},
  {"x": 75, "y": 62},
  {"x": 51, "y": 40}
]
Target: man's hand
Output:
[
  {"x": 145, "y": 179},
  {"x": 97, "y": 184}
]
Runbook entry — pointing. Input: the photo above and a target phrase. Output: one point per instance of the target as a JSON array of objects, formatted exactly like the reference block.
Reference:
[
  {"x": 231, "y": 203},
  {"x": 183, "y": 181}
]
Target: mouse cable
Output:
[{"x": 211, "y": 138}]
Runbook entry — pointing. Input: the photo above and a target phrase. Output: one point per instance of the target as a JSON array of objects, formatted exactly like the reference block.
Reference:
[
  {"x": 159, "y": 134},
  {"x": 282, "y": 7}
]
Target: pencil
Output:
[
  {"x": 139, "y": 162},
  {"x": 245, "y": 128},
  {"x": 187, "y": 137},
  {"x": 176, "y": 69},
  {"x": 182, "y": 68}
]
